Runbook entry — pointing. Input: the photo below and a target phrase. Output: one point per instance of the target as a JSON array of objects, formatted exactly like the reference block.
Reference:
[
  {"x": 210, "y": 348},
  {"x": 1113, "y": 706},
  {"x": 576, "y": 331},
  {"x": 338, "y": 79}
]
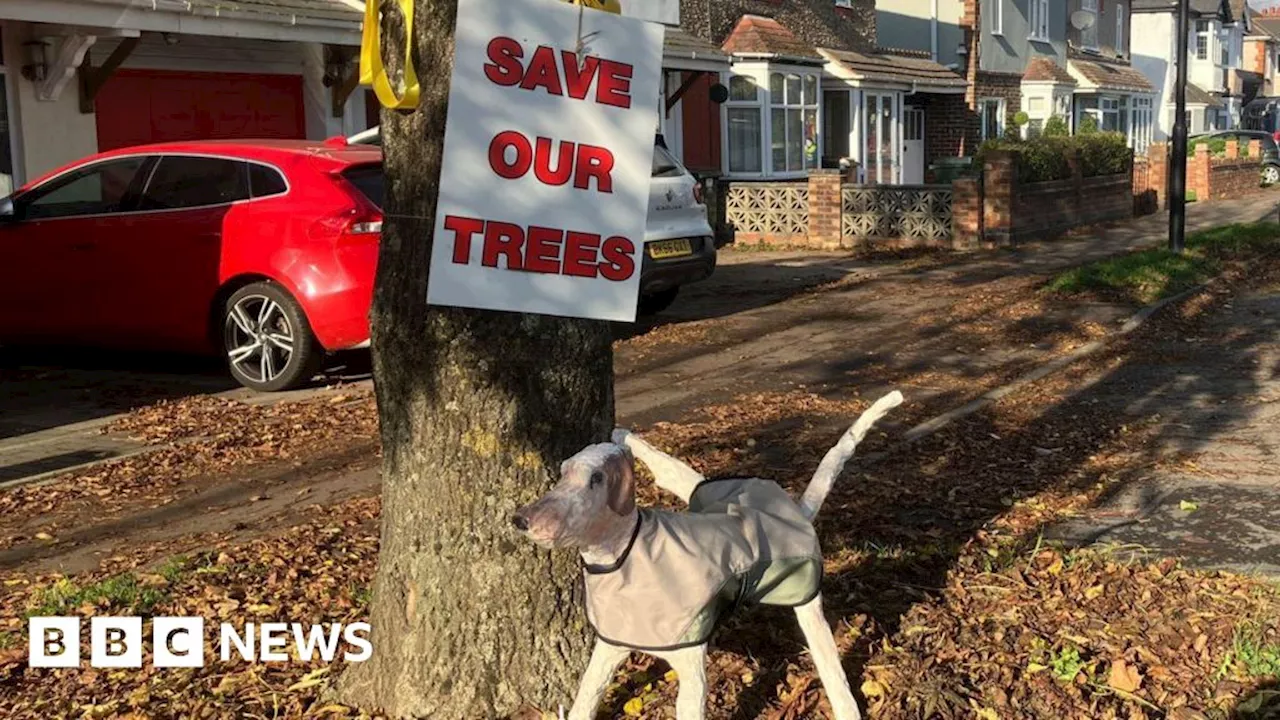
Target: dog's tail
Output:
[{"x": 834, "y": 461}]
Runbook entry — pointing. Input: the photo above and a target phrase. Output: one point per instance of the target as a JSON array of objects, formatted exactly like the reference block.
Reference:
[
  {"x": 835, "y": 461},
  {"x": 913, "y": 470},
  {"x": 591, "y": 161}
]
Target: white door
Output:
[
  {"x": 913, "y": 146},
  {"x": 881, "y": 156}
]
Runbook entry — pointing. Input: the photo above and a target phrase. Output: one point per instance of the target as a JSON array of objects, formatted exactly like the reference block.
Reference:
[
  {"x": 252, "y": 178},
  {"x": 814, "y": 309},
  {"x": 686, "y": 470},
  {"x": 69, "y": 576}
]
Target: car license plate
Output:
[{"x": 670, "y": 248}]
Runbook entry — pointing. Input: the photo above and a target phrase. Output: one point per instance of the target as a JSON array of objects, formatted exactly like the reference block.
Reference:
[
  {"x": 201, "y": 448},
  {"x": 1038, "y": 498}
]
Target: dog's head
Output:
[{"x": 596, "y": 492}]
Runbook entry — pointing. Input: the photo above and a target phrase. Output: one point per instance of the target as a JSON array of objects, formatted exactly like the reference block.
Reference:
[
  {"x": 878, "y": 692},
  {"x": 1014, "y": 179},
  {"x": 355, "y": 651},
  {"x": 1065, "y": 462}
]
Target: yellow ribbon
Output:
[{"x": 372, "y": 71}]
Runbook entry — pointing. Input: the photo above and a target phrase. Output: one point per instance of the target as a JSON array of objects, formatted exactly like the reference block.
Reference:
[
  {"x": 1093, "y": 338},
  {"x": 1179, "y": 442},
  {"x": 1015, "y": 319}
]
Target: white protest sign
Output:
[{"x": 548, "y": 153}]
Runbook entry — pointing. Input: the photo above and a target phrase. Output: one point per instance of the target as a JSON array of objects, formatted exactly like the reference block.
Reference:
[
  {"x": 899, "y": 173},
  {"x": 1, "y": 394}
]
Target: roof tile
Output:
[{"x": 754, "y": 34}]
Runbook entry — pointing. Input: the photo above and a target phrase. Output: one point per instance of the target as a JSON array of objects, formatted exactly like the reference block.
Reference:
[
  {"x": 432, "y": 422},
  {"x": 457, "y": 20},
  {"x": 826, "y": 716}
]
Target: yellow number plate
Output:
[{"x": 670, "y": 248}]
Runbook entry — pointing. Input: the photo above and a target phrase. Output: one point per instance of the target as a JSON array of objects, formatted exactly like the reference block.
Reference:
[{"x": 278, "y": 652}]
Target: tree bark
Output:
[{"x": 477, "y": 410}]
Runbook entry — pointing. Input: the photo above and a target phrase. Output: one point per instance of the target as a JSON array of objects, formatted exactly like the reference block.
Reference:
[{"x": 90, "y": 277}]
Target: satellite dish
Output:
[
  {"x": 719, "y": 93},
  {"x": 1083, "y": 19}
]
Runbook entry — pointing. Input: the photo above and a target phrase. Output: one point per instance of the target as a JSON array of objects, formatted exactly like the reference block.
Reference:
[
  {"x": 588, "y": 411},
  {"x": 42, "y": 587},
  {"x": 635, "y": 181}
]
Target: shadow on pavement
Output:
[{"x": 48, "y": 388}]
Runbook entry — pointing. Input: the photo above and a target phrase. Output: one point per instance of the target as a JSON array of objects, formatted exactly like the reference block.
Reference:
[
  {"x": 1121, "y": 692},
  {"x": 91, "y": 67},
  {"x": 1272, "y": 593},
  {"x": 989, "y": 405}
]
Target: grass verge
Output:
[{"x": 1146, "y": 276}]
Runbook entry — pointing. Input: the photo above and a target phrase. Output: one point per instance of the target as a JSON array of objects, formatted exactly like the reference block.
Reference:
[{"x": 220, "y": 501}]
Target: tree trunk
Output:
[{"x": 477, "y": 410}]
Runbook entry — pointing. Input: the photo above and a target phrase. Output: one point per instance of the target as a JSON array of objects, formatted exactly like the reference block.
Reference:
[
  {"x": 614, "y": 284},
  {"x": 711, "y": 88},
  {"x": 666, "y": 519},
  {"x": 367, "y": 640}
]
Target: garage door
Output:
[{"x": 144, "y": 106}]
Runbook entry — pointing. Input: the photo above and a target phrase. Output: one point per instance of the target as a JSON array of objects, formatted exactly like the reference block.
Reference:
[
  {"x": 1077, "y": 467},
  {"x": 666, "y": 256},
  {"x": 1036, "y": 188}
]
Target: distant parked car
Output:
[
  {"x": 1270, "y": 151},
  {"x": 679, "y": 245},
  {"x": 264, "y": 251}
]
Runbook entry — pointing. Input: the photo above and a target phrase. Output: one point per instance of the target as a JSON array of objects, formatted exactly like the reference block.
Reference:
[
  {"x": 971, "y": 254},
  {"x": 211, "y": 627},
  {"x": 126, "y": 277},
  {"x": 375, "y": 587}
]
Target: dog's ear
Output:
[{"x": 622, "y": 482}]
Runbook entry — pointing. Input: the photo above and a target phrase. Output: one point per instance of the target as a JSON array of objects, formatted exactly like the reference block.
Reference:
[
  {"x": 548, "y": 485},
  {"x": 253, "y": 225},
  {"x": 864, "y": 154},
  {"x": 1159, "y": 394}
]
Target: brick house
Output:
[
  {"x": 810, "y": 88},
  {"x": 1262, "y": 57},
  {"x": 1047, "y": 58}
]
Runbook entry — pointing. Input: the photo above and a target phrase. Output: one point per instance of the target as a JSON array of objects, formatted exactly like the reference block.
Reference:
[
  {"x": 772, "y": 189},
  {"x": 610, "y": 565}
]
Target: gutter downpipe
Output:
[{"x": 933, "y": 32}]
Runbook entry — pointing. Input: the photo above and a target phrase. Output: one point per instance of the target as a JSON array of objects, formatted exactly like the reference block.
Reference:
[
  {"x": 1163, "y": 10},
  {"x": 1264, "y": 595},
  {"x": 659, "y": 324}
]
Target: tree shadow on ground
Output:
[{"x": 896, "y": 524}]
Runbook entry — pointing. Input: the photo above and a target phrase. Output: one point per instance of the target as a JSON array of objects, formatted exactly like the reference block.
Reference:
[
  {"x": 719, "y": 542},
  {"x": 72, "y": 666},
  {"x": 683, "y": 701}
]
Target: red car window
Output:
[{"x": 97, "y": 189}]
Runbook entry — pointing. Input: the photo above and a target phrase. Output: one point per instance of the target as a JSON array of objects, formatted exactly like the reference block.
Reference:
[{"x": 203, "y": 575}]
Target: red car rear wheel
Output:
[{"x": 267, "y": 340}]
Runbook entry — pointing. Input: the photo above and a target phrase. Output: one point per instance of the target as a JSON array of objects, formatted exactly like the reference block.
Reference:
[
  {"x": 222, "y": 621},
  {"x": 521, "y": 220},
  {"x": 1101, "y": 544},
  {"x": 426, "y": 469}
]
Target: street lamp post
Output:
[{"x": 1178, "y": 153}]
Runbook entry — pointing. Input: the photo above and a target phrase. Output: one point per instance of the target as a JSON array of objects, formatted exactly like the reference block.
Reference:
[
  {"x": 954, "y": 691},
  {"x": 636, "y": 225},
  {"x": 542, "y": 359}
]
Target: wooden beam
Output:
[
  {"x": 684, "y": 88},
  {"x": 343, "y": 90},
  {"x": 92, "y": 79}
]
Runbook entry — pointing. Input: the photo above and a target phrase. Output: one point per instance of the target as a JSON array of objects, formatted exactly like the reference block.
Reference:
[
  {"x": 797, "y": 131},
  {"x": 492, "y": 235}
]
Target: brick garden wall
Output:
[
  {"x": 1016, "y": 212},
  {"x": 1208, "y": 177}
]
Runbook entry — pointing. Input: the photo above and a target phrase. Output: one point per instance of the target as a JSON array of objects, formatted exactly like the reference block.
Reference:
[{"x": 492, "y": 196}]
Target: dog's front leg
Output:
[
  {"x": 605, "y": 659},
  {"x": 690, "y": 665},
  {"x": 826, "y": 658}
]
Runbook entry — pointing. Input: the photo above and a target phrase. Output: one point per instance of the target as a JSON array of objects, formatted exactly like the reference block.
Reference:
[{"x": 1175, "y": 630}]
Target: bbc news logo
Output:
[{"x": 117, "y": 642}]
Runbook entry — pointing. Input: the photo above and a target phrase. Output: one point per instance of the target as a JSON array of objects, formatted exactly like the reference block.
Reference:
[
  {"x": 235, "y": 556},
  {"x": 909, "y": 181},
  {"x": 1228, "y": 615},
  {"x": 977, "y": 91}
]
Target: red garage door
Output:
[{"x": 144, "y": 106}]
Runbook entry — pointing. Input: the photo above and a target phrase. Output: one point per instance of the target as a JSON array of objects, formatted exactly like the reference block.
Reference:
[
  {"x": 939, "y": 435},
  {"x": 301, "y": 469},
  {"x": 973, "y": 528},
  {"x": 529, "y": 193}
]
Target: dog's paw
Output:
[{"x": 620, "y": 436}]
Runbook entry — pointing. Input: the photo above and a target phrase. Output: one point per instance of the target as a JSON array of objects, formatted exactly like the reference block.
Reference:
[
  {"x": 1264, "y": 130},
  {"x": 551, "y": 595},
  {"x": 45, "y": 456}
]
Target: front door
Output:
[
  {"x": 881, "y": 156},
  {"x": 913, "y": 146}
]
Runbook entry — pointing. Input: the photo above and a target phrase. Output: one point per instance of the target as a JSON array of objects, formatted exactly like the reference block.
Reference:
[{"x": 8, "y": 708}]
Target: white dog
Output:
[{"x": 659, "y": 582}]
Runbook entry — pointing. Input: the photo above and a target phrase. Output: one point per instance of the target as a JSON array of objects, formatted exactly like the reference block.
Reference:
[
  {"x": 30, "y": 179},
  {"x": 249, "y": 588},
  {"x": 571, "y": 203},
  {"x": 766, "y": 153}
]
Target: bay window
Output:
[
  {"x": 772, "y": 118},
  {"x": 1202, "y": 39}
]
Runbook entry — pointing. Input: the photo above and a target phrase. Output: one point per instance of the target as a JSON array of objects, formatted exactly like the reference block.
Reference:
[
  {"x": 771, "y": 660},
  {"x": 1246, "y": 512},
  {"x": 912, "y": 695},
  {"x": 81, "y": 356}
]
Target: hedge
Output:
[{"x": 1046, "y": 157}]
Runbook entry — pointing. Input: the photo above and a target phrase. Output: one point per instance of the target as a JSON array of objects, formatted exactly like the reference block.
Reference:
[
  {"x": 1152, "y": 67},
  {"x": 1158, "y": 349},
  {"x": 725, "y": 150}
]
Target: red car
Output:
[{"x": 262, "y": 250}]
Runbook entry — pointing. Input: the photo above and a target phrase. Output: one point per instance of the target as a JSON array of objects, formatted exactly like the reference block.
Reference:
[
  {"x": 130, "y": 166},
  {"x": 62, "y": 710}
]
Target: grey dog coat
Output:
[{"x": 742, "y": 542}]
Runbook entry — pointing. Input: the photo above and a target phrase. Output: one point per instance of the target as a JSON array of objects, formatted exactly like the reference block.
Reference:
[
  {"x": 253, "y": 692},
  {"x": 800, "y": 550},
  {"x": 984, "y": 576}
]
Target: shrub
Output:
[
  {"x": 1103, "y": 154},
  {"x": 1088, "y": 125},
  {"x": 1047, "y": 157},
  {"x": 1217, "y": 146},
  {"x": 1056, "y": 126}
]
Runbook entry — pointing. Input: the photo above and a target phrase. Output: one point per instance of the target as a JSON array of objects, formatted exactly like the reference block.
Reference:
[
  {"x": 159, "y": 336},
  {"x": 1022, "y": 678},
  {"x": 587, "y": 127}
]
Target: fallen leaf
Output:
[
  {"x": 1188, "y": 506},
  {"x": 1124, "y": 677},
  {"x": 633, "y": 707}
]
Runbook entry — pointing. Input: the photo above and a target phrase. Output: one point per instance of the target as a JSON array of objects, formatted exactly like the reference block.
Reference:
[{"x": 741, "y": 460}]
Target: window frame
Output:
[
  {"x": 150, "y": 161},
  {"x": 757, "y": 104},
  {"x": 129, "y": 200},
  {"x": 760, "y": 73},
  {"x": 1038, "y": 15},
  {"x": 787, "y": 106},
  {"x": 1002, "y": 113},
  {"x": 160, "y": 160},
  {"x": 1121, "y": 44},
  {"x": 1090, "y": 6},
  {"x": 10, "y": 99},
  {"x": 1198, "y": 35}
]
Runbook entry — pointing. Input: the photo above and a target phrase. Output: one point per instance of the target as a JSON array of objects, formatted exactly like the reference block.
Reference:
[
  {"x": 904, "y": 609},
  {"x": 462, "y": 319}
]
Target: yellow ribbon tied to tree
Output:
[{"x": 374, "y": 73}]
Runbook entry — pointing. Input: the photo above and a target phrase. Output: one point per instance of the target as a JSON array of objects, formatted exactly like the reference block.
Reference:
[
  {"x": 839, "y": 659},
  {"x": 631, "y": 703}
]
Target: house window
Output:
[
  {"x": 1039, "y": 19},
  {"x": 1121, "y": 40},
  {"x": 1089, "y": 35},
  {"x": 746, "y": 134},
  {"x": 8, "y": 174},
  {"x": 992, "y": 111},
  {"x": 1202, "y": 39},
  {"x": 1224, "y": 48},
  {"x": 793, "y": 101},
  {"x": 997, "y": 17},
  {"x": 772, "y": 119},
  {"x": 844, "y": 3}
]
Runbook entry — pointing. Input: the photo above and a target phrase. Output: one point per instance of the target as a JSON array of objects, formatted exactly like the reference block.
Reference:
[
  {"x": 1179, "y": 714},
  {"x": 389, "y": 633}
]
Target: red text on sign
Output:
[
  {"x": 581, "y": 161},
  {"x": 559, "y": 73},
  {"x": 541, "y": 249}
]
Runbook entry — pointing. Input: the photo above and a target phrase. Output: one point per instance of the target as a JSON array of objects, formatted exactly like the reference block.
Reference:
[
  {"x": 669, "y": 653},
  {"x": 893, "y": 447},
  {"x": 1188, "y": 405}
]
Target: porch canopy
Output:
[
  {"x": 1094, "y": 76},
  {"x": 335, "y": 22},
  {"x": 891, "y": 72},
  {"x": 682, "y": 51}
]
